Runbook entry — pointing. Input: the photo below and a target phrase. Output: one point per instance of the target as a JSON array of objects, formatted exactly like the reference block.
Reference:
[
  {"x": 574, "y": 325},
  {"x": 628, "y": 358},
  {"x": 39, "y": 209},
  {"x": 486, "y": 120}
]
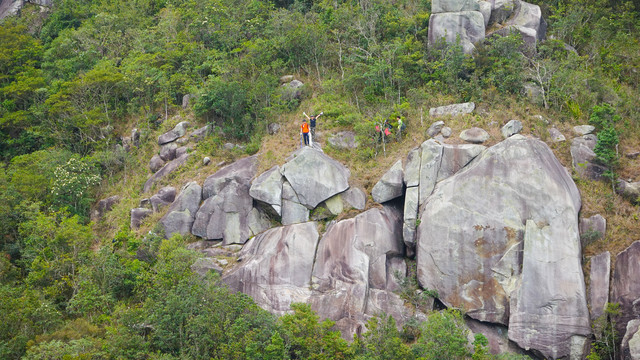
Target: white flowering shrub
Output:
[{"x": 72, "y": 185}]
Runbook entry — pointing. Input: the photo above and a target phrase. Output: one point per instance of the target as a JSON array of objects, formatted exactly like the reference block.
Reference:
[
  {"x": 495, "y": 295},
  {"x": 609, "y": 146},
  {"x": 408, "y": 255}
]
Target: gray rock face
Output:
[
  {"x": 292, "y": 211},
  {"x": 529, "y": 16},
  {"x": 351, "y": 261},
  {"x": 599, "y": 284},
  {"x": 529, "y": 36},
  {"x": 390, "y": 185},
  {"x": 167, "y": 169},
  {"x": 630, "y": 347},
  {"x": 446, "y": 132},
  {"x": 474, "y": 135},
  {"x": 502, "y": 10},
  {"x": 548, "y": 315},
  {"x": 511, "y": 128},
  {"x": 435, "y": 128},
  {"x": 582, "y": 156},
  {"x": 156, "y": 163},
  {"x": 181, "y": 215},
  {"x": 164, "y": 197},
  {"x": 173, "y": 134},
  {"x": 168, "y": 152},
  {"x": 292, "y": 90},
  {"x": 471, "y": 236},
  {"x": 10, "y": 8},
  {"x": 629, "y": 190},
  {"x": 343, "y": 140},
  {"x": 241, "y": 171},
  {"x": 485, "y": 9},
  {"x": 104, "y": 206},
  {"x": 625, "y": 288},
  {"x": 592, "y": 229},
  {"x": 199, "y": 134},
  {"x": 452, "y": 110},
  {"x": 315, "y": 177},
  {"x": 276, "y": 267},
  {"x": 582, "y": 130},
  {"x": 468, "y": 25},
  {"x": 441, "y": 6},
  {"x": 203, "y": 265},
  {"x": 556, "y": 135},
  {"x": 137, "y": 216},
  {"x": 268, "y": 188},
  {"x": 273, "y": 128},
  {"x": 355, "y": 198},
  {"x": 412, "y": 167}
]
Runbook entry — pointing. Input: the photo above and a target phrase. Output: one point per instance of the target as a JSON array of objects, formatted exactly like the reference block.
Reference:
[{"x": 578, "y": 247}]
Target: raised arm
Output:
[
  {"x": 317, "y": 116},
  {"x": 305, "y": 114}
]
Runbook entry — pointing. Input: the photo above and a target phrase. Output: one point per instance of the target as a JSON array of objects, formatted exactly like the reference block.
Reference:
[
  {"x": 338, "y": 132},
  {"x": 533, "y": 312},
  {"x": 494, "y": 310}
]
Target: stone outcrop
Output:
[
  {"x": 583, "y": 157},
  {"x": 172, "y": 135},
  {"x": 202, "y": 266},
  {"x": 104, "y": 206},
  {"x": 592, "y": 229},
  {"x": 599, "y": 284},
  {"x": 138, "y": 215},
  {"x": 276, "y": 266},
  {"x": 352, "y": 271},
  {"x": 168, "y": 152},
  {"x": 511, "y": 128},
  {"x": 582, "y": 130},
  {"x": 474, "y": 135},
  {"x": 630, "y": 347},
  {"x": 625, "y": 287},
  {"x": 390, "y": 185},
  {"x": 167, "y": 169},
  {"x": 164, "y": 197},
  {"x": 355, "y": 198},
  {"x": 268, "y": 188},
  {"x": 181, "y": 215},
  {"x": 343, "y": 140},
  {"x": 629, "y": 190},
  {"x": 556, "y": 135},
  {"x": 435, "y": 128},
  {"x": 315, "y": 177},
  {"x": 228, "y": 211},
  {"x": 292, "y": 211},
  {"x": 486, "y": 229},
  {"x": 452, "y": 110},
  {"x": 467, "y": 25},
  {"x": 156, "y": 163}
]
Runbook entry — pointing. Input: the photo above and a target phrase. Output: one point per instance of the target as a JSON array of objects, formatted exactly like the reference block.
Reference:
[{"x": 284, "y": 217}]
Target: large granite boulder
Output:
[
  {"x": 203, "y": 266},
  {"x": 241, "y": 172},
  {"x": 625, "y": 288},
  {"x": 137, "y": 217},
  {"x": 181, "y": 215},
  {"x": 452, "y": 110},
  {"x": 475, "y": 135},
  {"x": 292, "y": 211},
  {"x": 467, "y": 25},
  {"x": 352, "y": 261},
  {"x": 168, "y": 151},
  {"x": 472, "y": 234},
  {"x": 529, "y": 16},
  {"x": 275, "y": 267},
  {"x": 503, "y": 10},
  {"x": 156, "y": 163},
  {"x": 435, "y": 128},
  {"x": 390, "y": 185},
  {"x": 172, "y": 135},
  {"x": 630, "y": 347},
  {"x": 167, "y": 169},
  {"x": 599, "y": 284},
  {"x": 592, "y": 229},
  {"x": 511, "y": 128},
  {"x": 268, "y": 188},
  {"x": 315, "y": 177},
  {"x": 355, "y": 198}
]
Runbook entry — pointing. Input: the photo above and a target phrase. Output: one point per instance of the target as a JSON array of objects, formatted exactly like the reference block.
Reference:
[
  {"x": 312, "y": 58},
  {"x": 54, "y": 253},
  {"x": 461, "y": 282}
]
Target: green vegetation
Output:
[{"x": 76, "y": 79}]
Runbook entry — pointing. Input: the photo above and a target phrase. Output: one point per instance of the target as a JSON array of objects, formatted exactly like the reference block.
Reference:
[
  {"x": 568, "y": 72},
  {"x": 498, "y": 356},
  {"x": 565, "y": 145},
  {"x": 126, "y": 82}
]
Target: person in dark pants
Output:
[
  {"x": 304, "y": 131},
  {"x": 312, "y": 122}
]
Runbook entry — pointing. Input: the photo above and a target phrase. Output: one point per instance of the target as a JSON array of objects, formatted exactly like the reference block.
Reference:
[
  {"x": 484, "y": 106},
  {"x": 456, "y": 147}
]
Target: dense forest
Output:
[{"x": 78, "y": 77}]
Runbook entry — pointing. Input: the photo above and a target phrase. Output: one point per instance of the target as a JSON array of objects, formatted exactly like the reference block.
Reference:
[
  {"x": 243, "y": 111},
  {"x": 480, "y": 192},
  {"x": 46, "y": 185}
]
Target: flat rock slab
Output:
[
  {"x": 452, "y": 110},
  {"x": 355, "y": 198},
  {"x": 172, "y": 135},
  {"x": 625, "y": 288},
  {"x": 599, "y": 284},
  {"x": 167, "y": 169},
  {"x": 582, "y": 130},
  {"x": 475, "y": 135},
  {"x": 241, "y": 171},
  {"x": 275, "y": 267},
  {"x": 390, "y": 185},
  {"x": 315, "y": 177}
]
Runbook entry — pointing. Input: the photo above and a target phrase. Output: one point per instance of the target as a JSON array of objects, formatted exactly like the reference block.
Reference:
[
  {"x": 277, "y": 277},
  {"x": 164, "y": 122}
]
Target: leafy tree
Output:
[
  {"x": 382, "y": 340},
  {"x": 443, "y": 336}
]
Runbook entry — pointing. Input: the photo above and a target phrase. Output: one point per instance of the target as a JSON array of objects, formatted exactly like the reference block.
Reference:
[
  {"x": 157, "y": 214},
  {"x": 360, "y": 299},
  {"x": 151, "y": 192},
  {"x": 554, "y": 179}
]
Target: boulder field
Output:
[{"x": 493, "y": 231}]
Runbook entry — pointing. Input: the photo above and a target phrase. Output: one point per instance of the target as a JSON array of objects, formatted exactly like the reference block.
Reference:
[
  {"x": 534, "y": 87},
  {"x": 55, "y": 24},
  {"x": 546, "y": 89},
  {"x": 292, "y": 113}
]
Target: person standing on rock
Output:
[
  {"x": 312, "y": 122},
  {"x": 304, "y": 131}
]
